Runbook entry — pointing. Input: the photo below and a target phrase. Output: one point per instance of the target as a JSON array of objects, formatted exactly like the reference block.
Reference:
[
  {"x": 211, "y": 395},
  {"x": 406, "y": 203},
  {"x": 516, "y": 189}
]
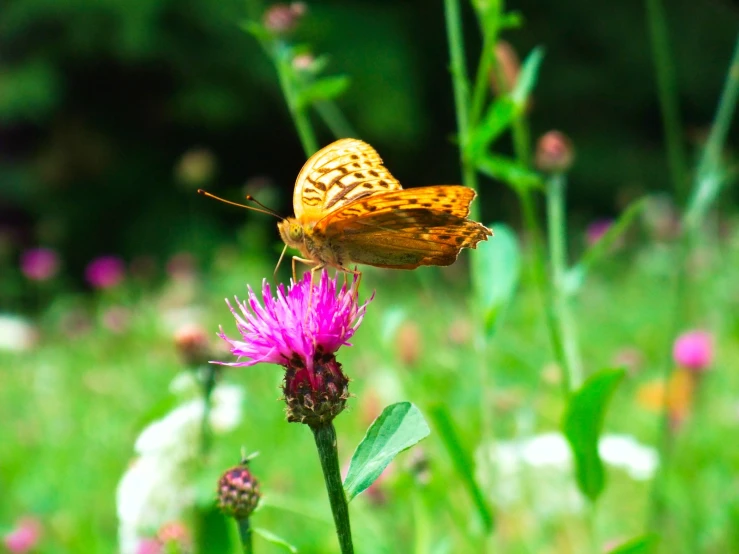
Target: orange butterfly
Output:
[{"x": 350, "y": 210}]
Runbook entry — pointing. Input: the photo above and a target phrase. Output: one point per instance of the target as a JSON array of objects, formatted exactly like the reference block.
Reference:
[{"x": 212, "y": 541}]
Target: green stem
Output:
[
  {"x": 283, "y": 62},
  {"x": 668, "y": 99},
  {"x": 482, "y": 79},
  {"x": 325, "y": 436},
  {"x": 545, "y": 289},
  {"x": 209, "y": 383},
  {"x": 461, "y": 85},
  {"x": 558, "y": 263},
  {"x": 334, "y": 119},
  {"x": 245, "y": 535},
  {"x": 708, "y": 175}
]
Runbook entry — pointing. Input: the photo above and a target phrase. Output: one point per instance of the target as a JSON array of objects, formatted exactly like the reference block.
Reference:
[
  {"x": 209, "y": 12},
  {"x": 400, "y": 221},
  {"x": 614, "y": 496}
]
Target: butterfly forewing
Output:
[{"x": 338, "y": 175}]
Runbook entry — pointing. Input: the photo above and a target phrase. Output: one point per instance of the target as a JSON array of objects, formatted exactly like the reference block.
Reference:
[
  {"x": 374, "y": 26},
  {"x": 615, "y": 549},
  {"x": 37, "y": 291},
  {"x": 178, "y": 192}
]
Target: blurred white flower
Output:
[
  {"x": 16, "y": 333},
  {"x": 158, "y": 487},
  {"x": 539, "y": 470}
]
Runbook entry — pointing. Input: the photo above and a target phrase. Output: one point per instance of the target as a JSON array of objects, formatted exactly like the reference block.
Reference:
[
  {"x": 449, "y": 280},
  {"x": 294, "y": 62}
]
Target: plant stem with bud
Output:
[
  {"x": 245, "y": 535},
  {"x": 325, "y": 436}
]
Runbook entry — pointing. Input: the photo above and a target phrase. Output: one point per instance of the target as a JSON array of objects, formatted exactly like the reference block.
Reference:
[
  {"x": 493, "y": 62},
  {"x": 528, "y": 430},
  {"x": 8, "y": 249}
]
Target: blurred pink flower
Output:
[
  {"x": 24, "y": 537},
  {"x": 182, "y": 266},
  {"x": 39, "y": 264},
  {"x": 693, "y": 350},
  {"x": 116, "y": 319},
  {"x": 105, "y": 272},
  {"x": 596, "y": 230},
  {"x": 149, "y": 546}
]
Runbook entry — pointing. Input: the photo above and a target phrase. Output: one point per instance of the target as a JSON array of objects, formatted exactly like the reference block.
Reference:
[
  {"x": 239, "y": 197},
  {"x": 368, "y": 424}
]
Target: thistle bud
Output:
[
  {"x": 238, "y": 492},
  {"x": 282, "y": 19},
  {"x": 694, "y": 351},
  {"x": 554, "y": 153},
  {"x": 315, "y": 397},
  {"x": 503, "y": 78},
  {"x": 192, "y": 345}
]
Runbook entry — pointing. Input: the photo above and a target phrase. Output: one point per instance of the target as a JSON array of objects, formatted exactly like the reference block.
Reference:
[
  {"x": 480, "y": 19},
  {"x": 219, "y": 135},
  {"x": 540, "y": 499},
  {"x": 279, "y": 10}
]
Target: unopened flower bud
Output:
[
  {"x": 694, "y": 351},
  {"x": 192, "y": 345},
  {"x": 409, "y": 343},
  {"x": 303, "y": 62},
  {"x": 282, "y": 19},
  {"x": 554, "y": 153},
  {"x": 238, "y": 492},
  {"x": 315, "y": 397},
  {"x": 507, "y": 68}
]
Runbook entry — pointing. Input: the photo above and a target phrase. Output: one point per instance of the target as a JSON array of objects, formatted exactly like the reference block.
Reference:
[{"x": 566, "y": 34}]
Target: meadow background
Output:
[{"x": 113, "y": 114}]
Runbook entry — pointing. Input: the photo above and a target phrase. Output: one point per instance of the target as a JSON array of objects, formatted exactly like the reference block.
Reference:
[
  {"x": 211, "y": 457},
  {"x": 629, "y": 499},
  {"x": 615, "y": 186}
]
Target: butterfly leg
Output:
[{"x": 304, "y": 261}]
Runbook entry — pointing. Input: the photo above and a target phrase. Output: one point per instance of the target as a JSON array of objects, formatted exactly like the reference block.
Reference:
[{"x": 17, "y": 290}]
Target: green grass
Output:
[{"x": 72, "y": 408}]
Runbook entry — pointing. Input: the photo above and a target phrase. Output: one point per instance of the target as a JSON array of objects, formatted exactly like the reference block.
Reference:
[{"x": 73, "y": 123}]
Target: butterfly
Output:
[{"x": 350, "y": 210}]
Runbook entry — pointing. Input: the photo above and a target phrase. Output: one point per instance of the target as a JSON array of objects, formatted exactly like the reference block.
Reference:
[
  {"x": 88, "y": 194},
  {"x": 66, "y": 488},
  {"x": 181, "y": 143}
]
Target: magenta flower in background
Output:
[
  {"x": 105, "y": 272},
  {"x": 596, "y": 230},
  {"x": 301, "y": 330},
  {"x": 693, "y": 350},
  {"x": 39, "y": 264},
  {"x": 24, "y": 537}
]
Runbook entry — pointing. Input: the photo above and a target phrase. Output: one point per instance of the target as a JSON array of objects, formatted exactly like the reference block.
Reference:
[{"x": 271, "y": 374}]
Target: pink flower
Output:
[
  {"x": 301, "y": 329},
  {"x": 149, "y": 546},
  {"x": 24, "y": 537},
  {"x": 596, "y": 230},
  {"x": 39, "y": 264},
  {"x": 105, "y": 272},
  {"x": 693, "y": 350},
  {"x": 286, "y": 327}
]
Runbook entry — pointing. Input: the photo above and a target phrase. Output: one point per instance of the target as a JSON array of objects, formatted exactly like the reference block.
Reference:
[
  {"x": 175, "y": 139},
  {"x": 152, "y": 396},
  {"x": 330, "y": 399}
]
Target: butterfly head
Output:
[{"x": 291, "y": 232}]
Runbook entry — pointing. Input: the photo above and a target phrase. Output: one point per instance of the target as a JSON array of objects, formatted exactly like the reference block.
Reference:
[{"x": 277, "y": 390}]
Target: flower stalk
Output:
[
  {"x": 245, "y": 535},
  {"x": 325, "y": 437}
]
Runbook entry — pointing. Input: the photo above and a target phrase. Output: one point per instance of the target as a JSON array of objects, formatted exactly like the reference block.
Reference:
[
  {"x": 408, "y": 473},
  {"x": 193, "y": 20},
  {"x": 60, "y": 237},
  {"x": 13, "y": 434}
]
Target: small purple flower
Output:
[
  {"x": 693, "y": 350},
  {"x": 105, "y": 272},
  {"x": 597, "y": 229},
  {"x": 300, "y": 329},
  {"x": 39, "y": 264}
]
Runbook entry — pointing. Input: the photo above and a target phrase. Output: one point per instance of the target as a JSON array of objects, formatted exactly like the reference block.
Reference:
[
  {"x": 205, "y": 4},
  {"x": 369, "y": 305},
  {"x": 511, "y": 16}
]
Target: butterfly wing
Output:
[
  {"x": 405, "y": 229},
  {"x": 338, "y": 175}
]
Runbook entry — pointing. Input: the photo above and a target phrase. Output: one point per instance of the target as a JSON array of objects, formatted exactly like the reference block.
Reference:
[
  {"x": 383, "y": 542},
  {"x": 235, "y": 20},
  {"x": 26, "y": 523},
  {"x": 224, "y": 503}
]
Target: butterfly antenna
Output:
[
  {"x": 262, "y": 210},
  {"x": 250, "y": 198}
]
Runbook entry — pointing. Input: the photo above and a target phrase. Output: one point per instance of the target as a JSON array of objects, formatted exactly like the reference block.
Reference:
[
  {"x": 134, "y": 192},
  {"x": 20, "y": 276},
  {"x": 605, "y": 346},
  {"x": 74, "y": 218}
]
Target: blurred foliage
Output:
[{"x": 100, "y": 100}]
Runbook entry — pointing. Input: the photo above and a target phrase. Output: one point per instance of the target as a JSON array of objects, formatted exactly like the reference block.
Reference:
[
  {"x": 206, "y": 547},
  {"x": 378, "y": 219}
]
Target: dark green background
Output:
[{"x": 99, "y": 100}]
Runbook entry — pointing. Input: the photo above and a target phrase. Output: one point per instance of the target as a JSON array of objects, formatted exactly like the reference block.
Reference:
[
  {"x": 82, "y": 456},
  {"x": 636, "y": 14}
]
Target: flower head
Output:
[
  {"x": 105, "y": 272},
  {"x": 597, "y": 229},
  {"x": 39, "y": 264},
  {"x": 238, "y": 492},
  {"x": 554, "y": 153},
  {"x": 301, "y": 329},
  {"x": 693, "y": 350}
]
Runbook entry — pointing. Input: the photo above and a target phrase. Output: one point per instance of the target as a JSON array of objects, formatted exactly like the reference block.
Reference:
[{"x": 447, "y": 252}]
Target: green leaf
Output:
[
  {"x": 399, "y": 427},
  {"x": 527, "y": 77},
  {"x": 646, "y": 544},
  {"x": 256, "y": 30},
  {"x": 509, "y": 171},
  {"x": 496, "y": 266},
  {"x": 599, "y": 250},
  {"x": 511, "y": 20},
  {"x": 274, "y": 539},
  {"x": 326, "y": 88},
  {"x": 496, "y": 120},
  {"x": 582, "y": 425},
  {"x": 462, "y": 462}
]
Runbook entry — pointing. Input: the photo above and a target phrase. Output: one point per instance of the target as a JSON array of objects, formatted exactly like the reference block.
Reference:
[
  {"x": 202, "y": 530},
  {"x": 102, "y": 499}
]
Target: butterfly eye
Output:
[{"x": 296, "y": 232}]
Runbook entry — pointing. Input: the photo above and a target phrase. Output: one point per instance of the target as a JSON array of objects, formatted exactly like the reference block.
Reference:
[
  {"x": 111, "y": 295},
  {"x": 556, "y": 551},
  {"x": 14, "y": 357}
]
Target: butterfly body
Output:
[{"x": 350, "y": 210}]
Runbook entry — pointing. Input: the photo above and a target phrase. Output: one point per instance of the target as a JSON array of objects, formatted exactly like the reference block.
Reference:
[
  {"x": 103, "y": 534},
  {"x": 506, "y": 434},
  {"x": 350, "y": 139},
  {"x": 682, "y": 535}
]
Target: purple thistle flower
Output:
[
  {"x": 39, "y": 264},
  {"x": 301, "y": 330},
  {"x": 105, "y": 272},
  {"x": 693, "y": 350}
]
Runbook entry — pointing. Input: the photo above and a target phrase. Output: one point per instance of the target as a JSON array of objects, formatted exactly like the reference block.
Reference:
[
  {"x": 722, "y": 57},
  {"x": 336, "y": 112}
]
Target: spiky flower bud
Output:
[
  {"x": 554, "y": 153},
  {"x": 318, "y": 396},
  {"x": 238, "y": 492},
  {"x": 508, "y": 67}
]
